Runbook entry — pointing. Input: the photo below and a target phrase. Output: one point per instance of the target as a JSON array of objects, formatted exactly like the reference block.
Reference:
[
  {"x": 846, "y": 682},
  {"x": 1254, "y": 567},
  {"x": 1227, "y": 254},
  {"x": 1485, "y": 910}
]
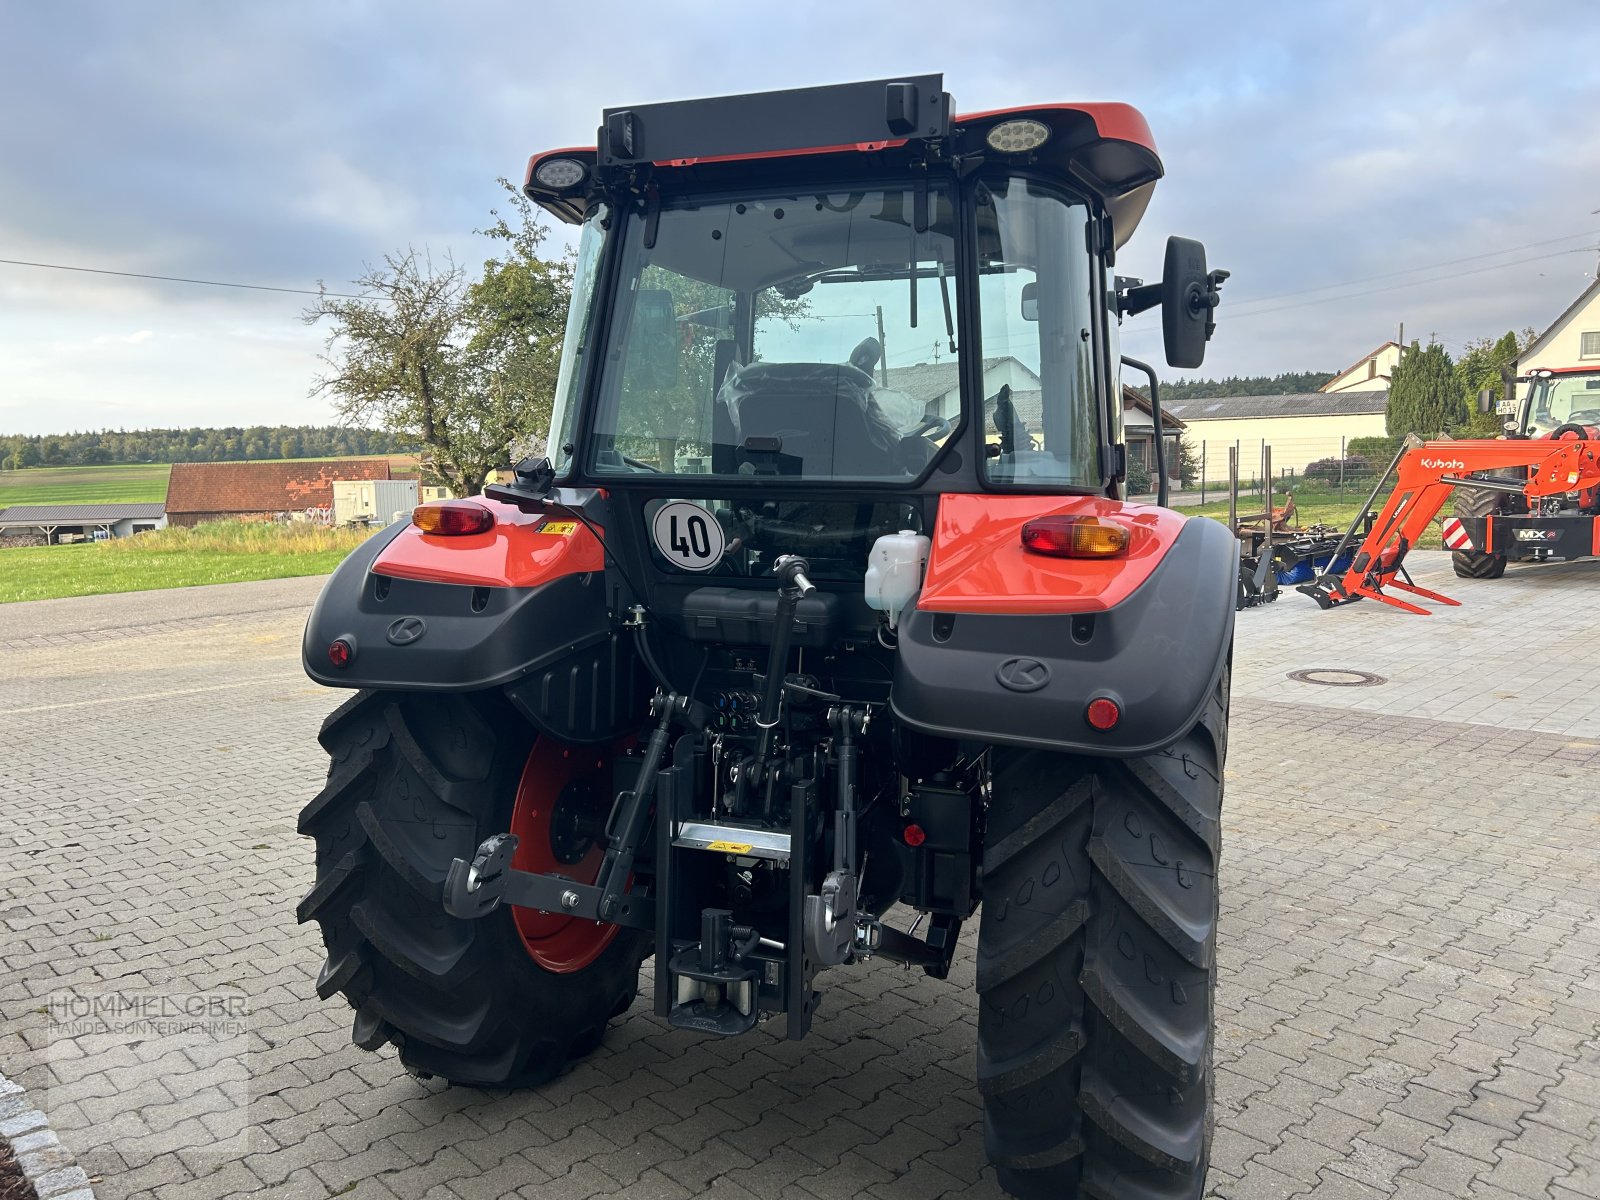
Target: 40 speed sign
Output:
[{"x": 688, "y": 536}]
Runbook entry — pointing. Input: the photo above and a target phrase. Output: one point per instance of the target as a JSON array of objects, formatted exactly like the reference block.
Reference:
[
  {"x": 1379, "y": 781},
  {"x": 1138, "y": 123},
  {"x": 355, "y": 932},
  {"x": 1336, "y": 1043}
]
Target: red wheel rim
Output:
[{"x": 557, "y": 943}]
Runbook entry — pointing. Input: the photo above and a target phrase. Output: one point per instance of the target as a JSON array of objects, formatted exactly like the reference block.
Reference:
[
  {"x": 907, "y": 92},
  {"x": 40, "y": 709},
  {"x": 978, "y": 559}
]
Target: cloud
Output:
[{"x": 289, "y": 143}]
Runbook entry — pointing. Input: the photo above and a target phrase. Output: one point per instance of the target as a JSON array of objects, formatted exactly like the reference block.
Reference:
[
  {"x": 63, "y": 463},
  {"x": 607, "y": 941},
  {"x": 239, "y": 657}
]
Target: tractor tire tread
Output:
[
  {"x": 1476, "y": 564},
  {"x": 415, "y": 780},
  {"x": 1097, "y": 967}
]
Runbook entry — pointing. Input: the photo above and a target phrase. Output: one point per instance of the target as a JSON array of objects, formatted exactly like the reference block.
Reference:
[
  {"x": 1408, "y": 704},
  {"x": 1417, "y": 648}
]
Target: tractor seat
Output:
[{"x": 816, "y": 420}]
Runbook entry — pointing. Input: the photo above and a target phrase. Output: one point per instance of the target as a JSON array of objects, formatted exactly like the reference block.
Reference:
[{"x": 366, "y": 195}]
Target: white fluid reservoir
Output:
[{"x": 894, "y": 571}]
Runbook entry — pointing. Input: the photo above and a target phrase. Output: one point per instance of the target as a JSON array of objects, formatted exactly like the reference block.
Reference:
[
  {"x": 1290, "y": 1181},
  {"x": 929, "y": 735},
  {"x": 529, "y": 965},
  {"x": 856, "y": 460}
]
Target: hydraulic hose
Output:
[{"x": 641, "y": 643}]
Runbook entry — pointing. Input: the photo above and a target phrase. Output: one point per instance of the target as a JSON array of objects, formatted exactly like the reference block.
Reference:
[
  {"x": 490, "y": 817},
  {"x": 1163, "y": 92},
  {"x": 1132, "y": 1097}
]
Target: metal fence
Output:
[{"x": 1306, "y": 464}]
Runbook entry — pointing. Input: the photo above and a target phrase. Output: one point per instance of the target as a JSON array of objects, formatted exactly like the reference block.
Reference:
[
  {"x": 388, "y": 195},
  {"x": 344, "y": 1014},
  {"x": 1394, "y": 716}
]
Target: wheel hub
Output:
[
  {"x": 577, "y": 822},
  {"x": 558, "y": 819}
]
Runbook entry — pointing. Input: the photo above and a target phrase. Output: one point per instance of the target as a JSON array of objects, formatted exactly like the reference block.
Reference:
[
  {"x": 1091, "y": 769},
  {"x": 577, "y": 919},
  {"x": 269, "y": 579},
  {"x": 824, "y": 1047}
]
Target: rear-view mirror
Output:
[
  {"x": 1188, "y": 297},
  {"x": 1030, "y": 302}
]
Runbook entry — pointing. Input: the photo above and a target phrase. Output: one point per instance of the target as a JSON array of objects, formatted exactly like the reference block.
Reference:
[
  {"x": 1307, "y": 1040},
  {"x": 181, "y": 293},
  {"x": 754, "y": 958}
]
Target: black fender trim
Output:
[
  {"x": 471, "y": 638},
  {"x": 1158, "y": 655}
]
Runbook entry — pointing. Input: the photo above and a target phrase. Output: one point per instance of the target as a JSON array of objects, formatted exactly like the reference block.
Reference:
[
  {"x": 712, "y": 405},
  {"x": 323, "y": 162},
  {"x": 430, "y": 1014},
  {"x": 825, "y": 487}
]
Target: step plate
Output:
[{"x": 740, "y": 840}]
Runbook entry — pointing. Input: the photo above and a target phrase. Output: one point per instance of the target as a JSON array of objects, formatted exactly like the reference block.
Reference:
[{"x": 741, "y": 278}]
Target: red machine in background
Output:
[{"x": 1557, "y": 478}]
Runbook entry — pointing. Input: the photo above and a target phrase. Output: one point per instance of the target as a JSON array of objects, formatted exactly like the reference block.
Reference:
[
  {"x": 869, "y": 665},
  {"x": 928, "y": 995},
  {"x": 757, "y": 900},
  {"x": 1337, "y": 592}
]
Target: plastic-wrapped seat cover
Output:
[{"x": 823, "y": 417}]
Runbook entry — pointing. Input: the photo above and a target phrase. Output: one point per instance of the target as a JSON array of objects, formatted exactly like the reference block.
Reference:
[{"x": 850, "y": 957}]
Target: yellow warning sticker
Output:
[
  {"x": 730, "y": 847},
  {"x": 559, "y": 528}
]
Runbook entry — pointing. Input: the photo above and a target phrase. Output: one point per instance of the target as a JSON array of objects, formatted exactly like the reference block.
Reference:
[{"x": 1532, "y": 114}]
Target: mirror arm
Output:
[
  {"x": 1138, "y": 299},
  {"x": 1210, "y": 298}
]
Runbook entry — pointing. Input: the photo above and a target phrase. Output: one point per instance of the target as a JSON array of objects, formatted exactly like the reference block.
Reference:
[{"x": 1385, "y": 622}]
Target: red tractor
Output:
[
  {"x": 1494, "y": 525},
  {"x": 825, "y": 600}
]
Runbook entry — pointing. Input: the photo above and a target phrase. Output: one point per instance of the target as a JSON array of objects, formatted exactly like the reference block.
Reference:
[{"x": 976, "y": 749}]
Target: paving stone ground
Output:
[{"x": 1409, "y": 950}]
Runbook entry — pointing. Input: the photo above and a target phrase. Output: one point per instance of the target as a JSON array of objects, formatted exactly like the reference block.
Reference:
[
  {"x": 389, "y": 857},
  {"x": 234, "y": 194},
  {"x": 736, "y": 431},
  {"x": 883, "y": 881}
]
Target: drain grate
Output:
[{"x": 1337, "y": 677}]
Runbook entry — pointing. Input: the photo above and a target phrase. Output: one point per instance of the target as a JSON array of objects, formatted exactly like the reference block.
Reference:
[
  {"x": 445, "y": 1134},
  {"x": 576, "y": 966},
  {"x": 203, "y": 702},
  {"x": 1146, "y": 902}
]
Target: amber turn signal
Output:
[
  {"x": 1074, "y": 537},
  {"x": 452, "y": 518}
]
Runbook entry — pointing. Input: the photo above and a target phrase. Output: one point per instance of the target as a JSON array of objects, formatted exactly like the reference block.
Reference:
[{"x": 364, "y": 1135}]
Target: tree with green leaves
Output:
[
  {"x": 1483, "y": 367},
  {"x": 460, "y": 368},
  {"x": 1424, "y": 394},
  {"x": 1285, "y": 383}
]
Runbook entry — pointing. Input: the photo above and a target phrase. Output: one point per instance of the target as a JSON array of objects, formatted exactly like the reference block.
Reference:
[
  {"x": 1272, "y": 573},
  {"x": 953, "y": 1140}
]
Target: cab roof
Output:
[{"x": 844, "y": 130}]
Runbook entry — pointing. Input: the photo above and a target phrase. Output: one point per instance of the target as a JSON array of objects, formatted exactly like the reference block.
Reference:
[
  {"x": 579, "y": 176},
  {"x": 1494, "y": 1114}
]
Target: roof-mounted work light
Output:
[
  {"x": 1018, "y": 137},
  {"x": 559, "y": 174}
]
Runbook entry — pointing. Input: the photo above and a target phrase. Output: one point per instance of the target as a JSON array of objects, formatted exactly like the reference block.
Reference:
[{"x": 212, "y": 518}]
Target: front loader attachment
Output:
[
  {"x": 1380, "y": 560},
  {"x": 1425, "y": 473}
]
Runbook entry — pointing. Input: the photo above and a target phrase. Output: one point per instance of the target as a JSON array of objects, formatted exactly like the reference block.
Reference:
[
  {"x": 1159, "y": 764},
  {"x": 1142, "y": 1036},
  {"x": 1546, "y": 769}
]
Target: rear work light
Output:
[
  {"x": 560, "y": 173},
  {"x": 1018, "y": 136},
  {"x": 452, "y": 518},
  {"x": 1074, "y": 537}
]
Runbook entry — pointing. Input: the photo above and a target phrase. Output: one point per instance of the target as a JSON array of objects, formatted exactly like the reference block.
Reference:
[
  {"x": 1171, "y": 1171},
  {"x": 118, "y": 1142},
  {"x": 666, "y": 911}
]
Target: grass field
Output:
[
  {"x": 137, "y": 483},
  {"x": 230, "y": 552},
  {"x": 140, "y": 483}
]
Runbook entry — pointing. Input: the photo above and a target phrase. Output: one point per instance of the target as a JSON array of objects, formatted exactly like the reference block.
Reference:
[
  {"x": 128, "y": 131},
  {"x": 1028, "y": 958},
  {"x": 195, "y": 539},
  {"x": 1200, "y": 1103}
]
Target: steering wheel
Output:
[
  {"x": 866, "y": 354},
  {"x": 1579, "y": 431},
  {"x": 931, "y": 427}
]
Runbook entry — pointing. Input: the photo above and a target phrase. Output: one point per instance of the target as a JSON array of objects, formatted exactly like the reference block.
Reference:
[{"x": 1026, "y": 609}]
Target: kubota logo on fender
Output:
[
  {"x": 1443, "y": 464},
  {"x": 1022, "y": 674},
  {"x": 406, "y": 630}
]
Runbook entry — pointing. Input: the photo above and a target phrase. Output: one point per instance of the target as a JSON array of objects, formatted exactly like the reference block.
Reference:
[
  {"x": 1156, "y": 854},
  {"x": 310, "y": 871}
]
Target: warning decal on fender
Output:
[
  {"x": 688, "y": 536},
  {"x": 559, "y": 528}
]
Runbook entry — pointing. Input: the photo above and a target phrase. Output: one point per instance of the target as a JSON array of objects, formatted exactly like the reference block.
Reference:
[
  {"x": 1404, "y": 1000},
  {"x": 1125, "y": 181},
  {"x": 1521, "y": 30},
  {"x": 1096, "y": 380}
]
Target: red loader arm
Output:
[{"x": 1427, "y": 474}]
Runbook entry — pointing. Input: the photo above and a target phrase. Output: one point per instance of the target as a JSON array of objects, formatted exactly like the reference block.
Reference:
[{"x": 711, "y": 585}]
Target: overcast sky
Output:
[{"x": 282, "y": 143}]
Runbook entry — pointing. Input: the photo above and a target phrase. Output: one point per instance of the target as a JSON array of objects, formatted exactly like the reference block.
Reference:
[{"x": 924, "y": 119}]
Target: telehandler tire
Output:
[
  {"x": 416, "y": 780},
  {"x": 1475, "y": 564},
  {"x": 1097, "y": 968}
]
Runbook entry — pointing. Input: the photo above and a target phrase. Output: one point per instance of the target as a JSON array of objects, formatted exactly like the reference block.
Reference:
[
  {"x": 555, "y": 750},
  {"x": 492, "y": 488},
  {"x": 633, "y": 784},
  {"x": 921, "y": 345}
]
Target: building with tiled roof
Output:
[{"x": 198, "y": 492}]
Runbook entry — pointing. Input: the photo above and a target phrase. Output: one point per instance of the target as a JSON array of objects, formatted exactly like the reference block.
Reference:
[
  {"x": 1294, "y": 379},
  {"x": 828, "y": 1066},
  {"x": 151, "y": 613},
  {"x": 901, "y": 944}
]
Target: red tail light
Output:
[
  {"x": 1074, "y": 537},
  {"x": 452, "y": 518},
  {"x": 340, "y": 652}
]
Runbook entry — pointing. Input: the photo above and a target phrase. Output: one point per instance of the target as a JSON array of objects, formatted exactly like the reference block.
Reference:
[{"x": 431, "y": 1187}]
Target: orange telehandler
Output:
[{"x": 1562, "y": 490}]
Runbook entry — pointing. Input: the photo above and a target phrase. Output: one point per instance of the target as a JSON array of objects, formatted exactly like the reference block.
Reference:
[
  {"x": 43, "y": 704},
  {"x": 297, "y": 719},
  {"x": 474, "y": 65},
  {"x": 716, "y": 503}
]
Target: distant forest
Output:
[
  {"x": 231, "y": 444},
  {"x": 1240, "y": 385}
]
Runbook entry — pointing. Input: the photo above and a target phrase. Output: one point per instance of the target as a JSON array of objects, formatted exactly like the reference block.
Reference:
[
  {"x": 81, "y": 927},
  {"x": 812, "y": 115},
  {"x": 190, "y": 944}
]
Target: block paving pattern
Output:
[{"x": 1409, "y": 1002}]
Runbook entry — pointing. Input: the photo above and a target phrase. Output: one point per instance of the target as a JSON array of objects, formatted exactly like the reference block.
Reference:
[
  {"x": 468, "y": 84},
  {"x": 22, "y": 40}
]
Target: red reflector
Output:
[
  {"x": 1074, "y": 537},
  {"x": 1103, "y": 714},
  {"x": 340, "y": 652},
  {"x": 915, "y": 835},
  {"x": 452, "y": 518}
]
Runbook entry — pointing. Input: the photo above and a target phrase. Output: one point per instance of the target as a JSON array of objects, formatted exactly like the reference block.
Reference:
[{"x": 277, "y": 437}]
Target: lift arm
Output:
[{"x": 1425, "y": 475}]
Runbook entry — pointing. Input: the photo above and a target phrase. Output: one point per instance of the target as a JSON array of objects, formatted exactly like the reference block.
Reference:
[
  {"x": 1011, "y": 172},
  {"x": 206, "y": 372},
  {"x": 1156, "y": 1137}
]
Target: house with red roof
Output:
[{"x": 260, "y": 491}]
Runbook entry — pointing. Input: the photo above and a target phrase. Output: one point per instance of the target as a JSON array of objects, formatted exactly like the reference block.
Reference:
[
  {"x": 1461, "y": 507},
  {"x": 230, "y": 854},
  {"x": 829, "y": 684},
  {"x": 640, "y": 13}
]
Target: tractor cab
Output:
[
  {"x": 878, "y": 292},
  {"x": 1555, "y": 401}
]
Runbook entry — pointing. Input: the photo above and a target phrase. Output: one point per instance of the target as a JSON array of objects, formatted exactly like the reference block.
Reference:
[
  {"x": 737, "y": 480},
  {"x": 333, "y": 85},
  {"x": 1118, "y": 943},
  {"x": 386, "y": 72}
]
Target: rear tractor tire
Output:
[
  {"x": 416, "y": 780},
  {"x": 1097, "y": 968},
  {"x": 1475, "y": 564}
]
